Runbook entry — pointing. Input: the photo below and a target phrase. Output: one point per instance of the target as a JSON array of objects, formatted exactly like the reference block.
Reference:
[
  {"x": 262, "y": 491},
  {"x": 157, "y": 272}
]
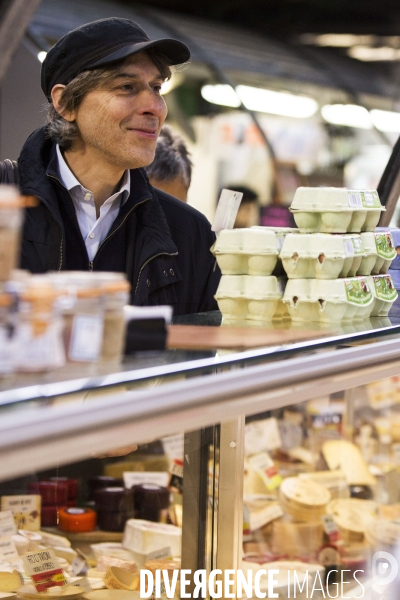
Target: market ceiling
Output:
[{"x": 290, "y": 18}]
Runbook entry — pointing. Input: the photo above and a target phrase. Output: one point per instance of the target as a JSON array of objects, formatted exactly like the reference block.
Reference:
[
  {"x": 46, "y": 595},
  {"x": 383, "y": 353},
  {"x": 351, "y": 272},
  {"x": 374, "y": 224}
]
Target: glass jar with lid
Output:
[{"x": 11, "y": 215}]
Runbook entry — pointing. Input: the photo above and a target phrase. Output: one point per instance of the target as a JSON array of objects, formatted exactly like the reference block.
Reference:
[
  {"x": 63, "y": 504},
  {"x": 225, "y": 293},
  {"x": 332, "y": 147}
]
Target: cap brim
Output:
[{"x": 175, "y": 51}]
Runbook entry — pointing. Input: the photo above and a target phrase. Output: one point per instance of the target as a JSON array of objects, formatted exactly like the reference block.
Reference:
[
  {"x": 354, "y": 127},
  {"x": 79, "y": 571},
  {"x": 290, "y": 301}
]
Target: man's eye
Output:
[
  {"x": 126, "y": 86},
  {"x": 157, "y": 88}
]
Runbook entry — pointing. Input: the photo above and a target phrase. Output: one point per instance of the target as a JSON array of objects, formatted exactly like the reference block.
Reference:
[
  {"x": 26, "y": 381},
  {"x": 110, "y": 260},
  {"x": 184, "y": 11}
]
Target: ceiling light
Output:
[
  {"x": 261, "y": 100},
  {"x": 336, "y": 40},
  {"x": 350, "y": 115},
  {"x": 221, "y": 94},
  {"x": 42, "y": 55},
  {"x": 386, "y": 120},
  {"x": 366, "y": 53}
]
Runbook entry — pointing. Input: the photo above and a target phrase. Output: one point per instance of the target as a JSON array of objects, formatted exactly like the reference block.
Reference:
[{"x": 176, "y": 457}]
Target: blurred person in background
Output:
[
  {"x": 249, "y": 211},
  {"x": 171, "y": 169}
]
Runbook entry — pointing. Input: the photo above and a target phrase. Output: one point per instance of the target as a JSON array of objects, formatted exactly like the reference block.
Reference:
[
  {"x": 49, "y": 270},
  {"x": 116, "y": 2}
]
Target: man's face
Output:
[{"x": 120, "y": 122}]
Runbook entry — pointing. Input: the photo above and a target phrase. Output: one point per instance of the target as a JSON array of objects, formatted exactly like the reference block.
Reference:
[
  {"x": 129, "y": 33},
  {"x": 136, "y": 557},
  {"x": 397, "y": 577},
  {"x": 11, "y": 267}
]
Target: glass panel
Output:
[
  {"x": 115, "y": 515},
  {"x": 322, "y": 495}
]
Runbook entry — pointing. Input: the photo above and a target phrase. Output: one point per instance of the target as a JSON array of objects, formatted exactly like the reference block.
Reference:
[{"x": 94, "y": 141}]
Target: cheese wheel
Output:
[
  {"x": 10, "y": 582},
  {"x": 104, "y": 562},
  {"x": 119, "y": 579},
  {"x": 304, "y": 493},
  {"x": 381, "y": 532},
  {"x": 28, "y": 592},
  {"x": 35, "y": 539},
  {"x": 77, "y": 520},
  {"x": 351, "y": 514},
  {"x": 111, "y": 595}
]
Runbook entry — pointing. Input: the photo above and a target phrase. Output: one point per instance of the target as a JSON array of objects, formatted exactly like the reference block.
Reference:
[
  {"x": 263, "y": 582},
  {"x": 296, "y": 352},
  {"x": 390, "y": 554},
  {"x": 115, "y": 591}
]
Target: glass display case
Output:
[{"x": 275, "y": 469}]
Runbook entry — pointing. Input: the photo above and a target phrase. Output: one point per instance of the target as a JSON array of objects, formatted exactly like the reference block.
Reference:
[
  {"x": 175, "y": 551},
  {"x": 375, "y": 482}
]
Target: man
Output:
[
  {"x": 171, "y": 169},
  {"x": 97, "y": 209}
]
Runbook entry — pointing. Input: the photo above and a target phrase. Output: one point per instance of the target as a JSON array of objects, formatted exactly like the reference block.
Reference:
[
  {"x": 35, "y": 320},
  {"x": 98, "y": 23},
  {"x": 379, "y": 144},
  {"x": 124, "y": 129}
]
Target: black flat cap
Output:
[{"x": 99, "y": 43}]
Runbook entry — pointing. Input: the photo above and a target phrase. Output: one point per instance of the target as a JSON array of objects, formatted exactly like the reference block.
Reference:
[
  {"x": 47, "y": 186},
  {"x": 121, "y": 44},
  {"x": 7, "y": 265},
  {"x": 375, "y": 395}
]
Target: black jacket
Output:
[{"x": 162, "y": 244}]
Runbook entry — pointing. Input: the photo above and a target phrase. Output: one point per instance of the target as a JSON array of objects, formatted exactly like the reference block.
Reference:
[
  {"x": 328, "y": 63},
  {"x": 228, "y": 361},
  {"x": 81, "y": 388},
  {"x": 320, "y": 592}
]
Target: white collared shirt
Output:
[{"x": 94, "y": 230}]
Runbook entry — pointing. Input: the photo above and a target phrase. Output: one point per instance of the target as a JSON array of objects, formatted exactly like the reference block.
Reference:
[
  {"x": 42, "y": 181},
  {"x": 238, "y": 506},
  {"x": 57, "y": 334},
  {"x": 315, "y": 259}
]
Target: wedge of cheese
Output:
[
  {"x": 10, "y": 582},
  {"x": 346, "y": 456}
]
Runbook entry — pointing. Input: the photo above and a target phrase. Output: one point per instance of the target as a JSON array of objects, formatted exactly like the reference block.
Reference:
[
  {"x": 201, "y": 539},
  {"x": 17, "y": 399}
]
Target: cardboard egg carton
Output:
[
  {"x": 250, "y": 297},
  {"x": 329, "y": 300},
  {"x": 335, "y": 210}
]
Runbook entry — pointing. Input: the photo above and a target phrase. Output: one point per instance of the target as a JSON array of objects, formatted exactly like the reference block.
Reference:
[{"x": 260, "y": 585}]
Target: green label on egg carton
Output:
[
  {"x": 359, "y": 199},
  {"x": 384, "y": 288},
  {"x": 384, "y": 245},
  {"x": 357, "y": 291}
]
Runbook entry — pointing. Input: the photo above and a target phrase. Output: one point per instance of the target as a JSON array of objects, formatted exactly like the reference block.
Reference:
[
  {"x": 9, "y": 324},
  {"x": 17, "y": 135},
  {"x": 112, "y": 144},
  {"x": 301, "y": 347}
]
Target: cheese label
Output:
[
  {"x": 8, "y": 550},
  {"x": 262, "y": 517},
  {"x": 175, "y": 484},
  {"x": 162, "y": 553},
  {"x": 44, "y": 570},
  {"x": 78, "y": 565},
  {"x": 330, "y": 528},
  {"x": 25, "y": 510},
  {"x": 265, "y": 467},
  {"x": 261, "y": 436},
  {"x": 159, "y": 478},
  {"x": 7, "y": 524}
]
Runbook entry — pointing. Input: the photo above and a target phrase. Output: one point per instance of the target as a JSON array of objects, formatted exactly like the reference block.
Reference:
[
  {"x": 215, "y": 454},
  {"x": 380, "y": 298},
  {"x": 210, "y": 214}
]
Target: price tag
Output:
[
  {"x": 247, "y": 537},
  {"x": 44, "y": 570},
  {"x": 77, "y": 565},
  {"x": 86, "y": 338},
  {"x": 228, "y": 206},
  {"x": 265, "y": 467},
  {"x": 331, "y": 529},
  {"x": 82, "y": 582},
  {"x": 262, "y": 435},
  {"x": 25, "y": 510},
  {"x": 173, "y": 446},
  {"x": 8, "y": 550},
  {"x": 159, "y": 478},
  {"x": 7, "y": 524}
]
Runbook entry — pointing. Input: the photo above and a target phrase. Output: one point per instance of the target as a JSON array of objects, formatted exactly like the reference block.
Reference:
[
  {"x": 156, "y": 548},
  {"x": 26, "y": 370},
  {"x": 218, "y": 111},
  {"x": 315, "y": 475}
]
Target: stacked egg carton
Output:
[
  {"x": 338, "y": 277},
  {"x": 250, "y": 286}
]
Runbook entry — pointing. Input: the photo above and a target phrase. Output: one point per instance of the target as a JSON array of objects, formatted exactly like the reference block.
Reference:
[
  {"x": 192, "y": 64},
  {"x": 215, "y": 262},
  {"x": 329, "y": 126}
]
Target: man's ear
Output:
[{"x": 56, "y": 92}]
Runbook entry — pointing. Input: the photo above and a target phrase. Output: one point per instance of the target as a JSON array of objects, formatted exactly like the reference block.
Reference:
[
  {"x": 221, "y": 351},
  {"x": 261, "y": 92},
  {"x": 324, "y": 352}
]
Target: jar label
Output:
[{"x": 86, "y": 338}]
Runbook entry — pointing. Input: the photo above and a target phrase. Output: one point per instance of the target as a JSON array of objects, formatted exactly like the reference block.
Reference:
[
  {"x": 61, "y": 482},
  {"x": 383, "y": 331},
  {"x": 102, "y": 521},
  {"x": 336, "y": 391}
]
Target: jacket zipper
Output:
[
  {"x": 147, "y": 262},
  {"x": 115, "y": 230},
  {"x": 62, "y": 235}
]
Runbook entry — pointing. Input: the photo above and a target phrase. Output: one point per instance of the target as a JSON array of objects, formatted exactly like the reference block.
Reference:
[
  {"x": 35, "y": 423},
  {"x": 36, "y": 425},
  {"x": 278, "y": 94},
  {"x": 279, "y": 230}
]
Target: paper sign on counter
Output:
[
  {"x": 7, "y": 524},
  {"x": 25, "y": 510},
  {"x": 8, "y": 551},
  {"x": 44, "y": 569},
  {"x": 173, "y": 446},
  {"x": 132, "y": 478}
]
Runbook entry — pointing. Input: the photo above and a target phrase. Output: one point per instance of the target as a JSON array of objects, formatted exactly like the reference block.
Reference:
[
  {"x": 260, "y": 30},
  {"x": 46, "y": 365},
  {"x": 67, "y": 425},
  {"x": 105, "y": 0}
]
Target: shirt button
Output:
[
  {"x": 88, "y": 196},
  {"x": 165, "y": 274},
  {"x": 148, "y": 283},
  {"x": 172, "y": 272},
  {"x": 91, "y": 235}
]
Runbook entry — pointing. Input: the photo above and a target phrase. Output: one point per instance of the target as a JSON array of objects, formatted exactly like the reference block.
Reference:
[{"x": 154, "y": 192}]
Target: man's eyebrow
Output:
[{"x": 136, "y": 76}]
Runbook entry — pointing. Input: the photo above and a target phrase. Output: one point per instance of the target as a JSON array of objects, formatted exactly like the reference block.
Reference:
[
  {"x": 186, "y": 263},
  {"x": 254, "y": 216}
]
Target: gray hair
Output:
[
  {"x": 171, "y": 160},
  {"x": 63, "y": 132}
]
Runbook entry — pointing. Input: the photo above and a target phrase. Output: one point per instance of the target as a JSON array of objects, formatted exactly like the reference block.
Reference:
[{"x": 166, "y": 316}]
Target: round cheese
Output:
[
  {"x": 351, "y": 514},
  {"x": 305, "y": 493}
]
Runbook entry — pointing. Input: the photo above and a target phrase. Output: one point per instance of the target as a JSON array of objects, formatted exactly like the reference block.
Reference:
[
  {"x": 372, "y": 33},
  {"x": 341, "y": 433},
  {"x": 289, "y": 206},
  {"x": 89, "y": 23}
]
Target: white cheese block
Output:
[
  {"x": 10, "y": 582},
  {"x": 104, "y": 562},
  {"x": 67, "y": 553},
  {"x": 144, "y": 537},
  {"x": 346, "y": 456},
  {"x": 111, "y": 549},
  {"x": 51, "y": 540},
  {"x": 35, "y": 539}
]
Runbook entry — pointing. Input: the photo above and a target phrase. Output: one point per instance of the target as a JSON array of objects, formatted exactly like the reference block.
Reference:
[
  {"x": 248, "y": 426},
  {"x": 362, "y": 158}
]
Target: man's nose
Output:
[{"x": 153, "y": 104}]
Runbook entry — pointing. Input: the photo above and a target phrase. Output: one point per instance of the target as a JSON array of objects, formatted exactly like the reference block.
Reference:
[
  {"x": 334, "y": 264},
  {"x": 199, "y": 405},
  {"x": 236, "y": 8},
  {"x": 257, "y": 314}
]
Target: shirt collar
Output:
[{"x": 70, "y": 181}]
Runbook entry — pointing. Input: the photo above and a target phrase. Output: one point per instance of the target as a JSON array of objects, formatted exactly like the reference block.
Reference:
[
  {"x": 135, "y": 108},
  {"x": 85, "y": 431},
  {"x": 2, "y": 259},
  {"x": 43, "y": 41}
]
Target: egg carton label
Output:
[
  {"x": 384, "y": 288},
  {"x": 357, "y": 291},
  {"x": 353, "y": 245},
  {"x": 385, "y": 245},
  {"x": 363, "y": 199}
]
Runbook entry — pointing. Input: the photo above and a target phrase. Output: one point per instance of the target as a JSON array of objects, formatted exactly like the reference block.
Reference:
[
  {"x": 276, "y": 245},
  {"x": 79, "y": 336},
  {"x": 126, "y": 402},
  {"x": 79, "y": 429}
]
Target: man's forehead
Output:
[{"x": 134, "y": 66}]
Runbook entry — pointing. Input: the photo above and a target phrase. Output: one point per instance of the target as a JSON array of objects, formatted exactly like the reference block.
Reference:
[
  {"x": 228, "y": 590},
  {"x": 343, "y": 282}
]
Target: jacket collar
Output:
[{"x": 38, "y": 167}]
